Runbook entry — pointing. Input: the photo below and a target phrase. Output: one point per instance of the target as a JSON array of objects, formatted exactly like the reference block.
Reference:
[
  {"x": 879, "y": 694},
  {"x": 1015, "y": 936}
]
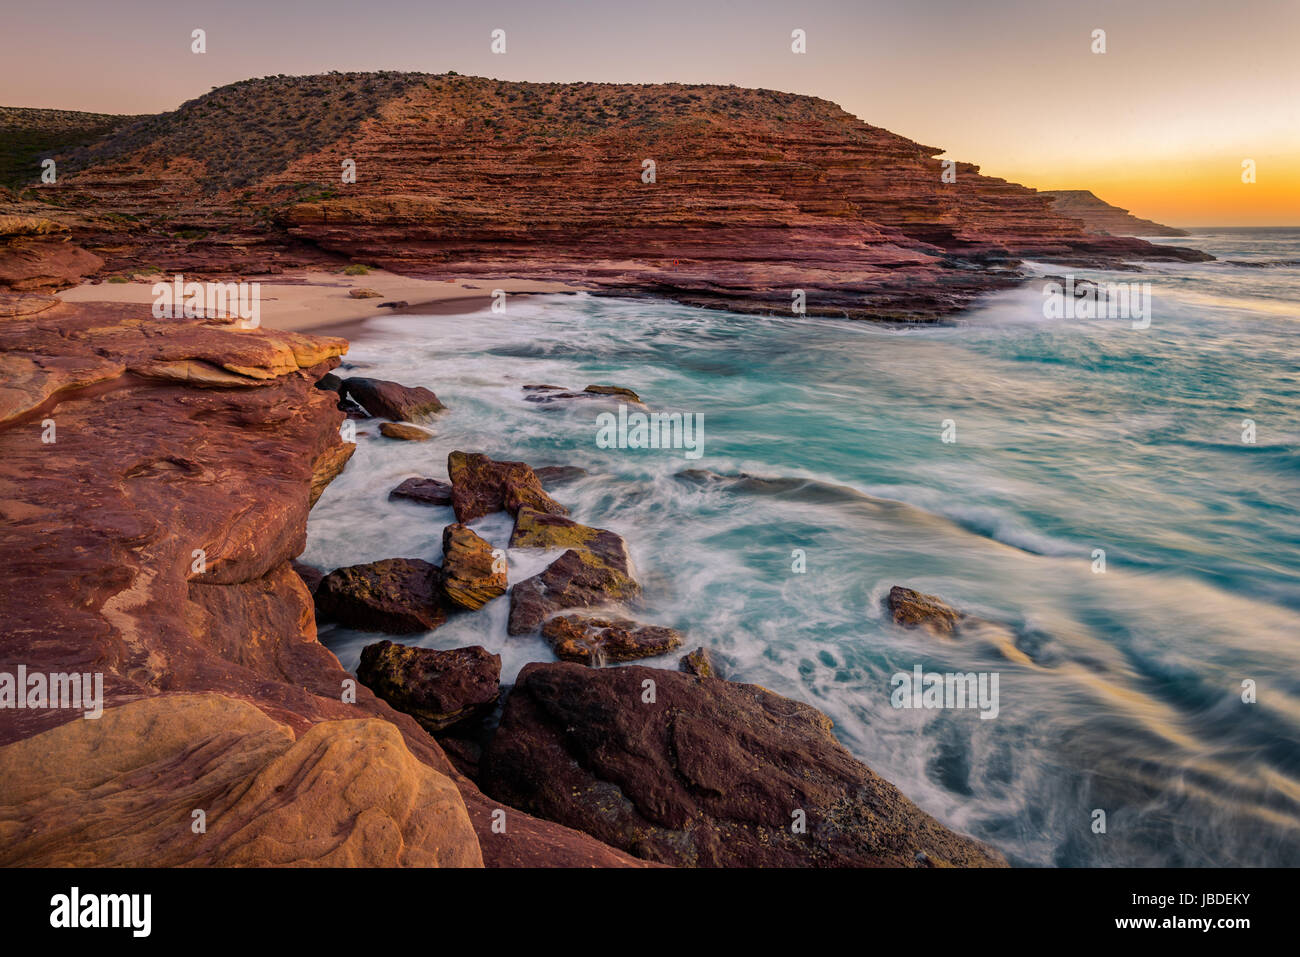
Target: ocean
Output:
[{"x": 825, "y": 479}]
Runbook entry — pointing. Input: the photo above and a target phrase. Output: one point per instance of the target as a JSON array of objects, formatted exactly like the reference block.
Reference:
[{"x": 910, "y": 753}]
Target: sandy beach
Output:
[{"x": 319, "y": 301}]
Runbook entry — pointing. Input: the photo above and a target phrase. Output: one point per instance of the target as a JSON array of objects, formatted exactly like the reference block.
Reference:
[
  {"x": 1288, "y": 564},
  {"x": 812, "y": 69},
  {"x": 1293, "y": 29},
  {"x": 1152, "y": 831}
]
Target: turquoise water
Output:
[{"x": 1119, "y": 690}]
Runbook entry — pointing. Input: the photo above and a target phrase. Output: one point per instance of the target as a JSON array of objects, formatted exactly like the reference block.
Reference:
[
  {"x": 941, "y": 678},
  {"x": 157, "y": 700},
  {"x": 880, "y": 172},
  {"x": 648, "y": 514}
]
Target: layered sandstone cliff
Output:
[{"x": 711, "y": 195}]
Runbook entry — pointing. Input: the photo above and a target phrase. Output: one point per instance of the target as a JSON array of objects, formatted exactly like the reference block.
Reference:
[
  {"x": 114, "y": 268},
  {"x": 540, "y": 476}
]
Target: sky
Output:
[{"x": 1160, "y": 123}]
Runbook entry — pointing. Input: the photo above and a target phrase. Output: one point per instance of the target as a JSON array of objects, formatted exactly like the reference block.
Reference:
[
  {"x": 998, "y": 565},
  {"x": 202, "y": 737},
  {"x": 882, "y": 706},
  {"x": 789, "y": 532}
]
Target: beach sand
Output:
[{"x": 318, "y": 301}]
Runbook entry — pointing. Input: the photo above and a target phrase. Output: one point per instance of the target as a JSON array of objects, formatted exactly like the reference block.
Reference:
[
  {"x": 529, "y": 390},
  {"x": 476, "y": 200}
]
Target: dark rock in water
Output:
[
  {"x": 595, "y": 570},
  {"x": 397, "y": 595},
  {"x": 408, "y": 433},
  {"x": 552, "y": 475},
  {"x": 912, "y": 609},
  {"x": 577, "y": 579},
  {"x": 481, "y": 486},
  {"x": 552, "y": 393},
  {"x": 470, "y": 575},
  {"x": 426, "y": 491},
  {"x": 594, "y": 641},
  {"x": 391, "y": 400},
  {"x": 436, "y": 688},
  {"x": 310, "y": 576},
  {"x": 613, "y": 390},
  {"x": 703, "y": 773},
  {"x": 699, "y": 663},
  {"x": 400, "y": 304},
  {"x": 329, "y": 382}
]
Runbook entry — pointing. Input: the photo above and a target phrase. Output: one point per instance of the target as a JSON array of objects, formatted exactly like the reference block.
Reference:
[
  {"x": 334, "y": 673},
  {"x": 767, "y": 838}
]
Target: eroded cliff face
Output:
[
  {"x": 755, "y": 194},
  {"x": 155, "y": 480}
]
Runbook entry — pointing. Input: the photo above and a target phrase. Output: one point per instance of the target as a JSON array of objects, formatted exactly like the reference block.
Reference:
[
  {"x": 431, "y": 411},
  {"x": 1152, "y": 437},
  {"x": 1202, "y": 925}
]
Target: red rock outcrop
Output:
[
  {"x": 755, "y": 194},
  {"x": 155, "y": 479}
]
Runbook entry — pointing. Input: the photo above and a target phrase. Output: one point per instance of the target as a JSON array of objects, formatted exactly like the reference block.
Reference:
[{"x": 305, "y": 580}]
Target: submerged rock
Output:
[
  {"x": 595, "y": 641},
  {"x": 481, "y": 486},
  {"x": 471, "y": 574},
  {"x": 426, "y": 491},
  {"x": 396, "y": 595},
  {"x": 552, "y": 475},
  {"x": 912, "y": 609},
  {"x": 391, "y": 400},
  {"x": 614, "y": 390},
  {"x": 703, "y": 773},
  {"x": 408, "y": 433},
  {"x": 436, "y": 688}
]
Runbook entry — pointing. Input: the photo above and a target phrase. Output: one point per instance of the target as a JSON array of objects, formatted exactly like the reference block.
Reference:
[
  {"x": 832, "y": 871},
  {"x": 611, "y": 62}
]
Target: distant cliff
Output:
[
  {"x": 1101, "y": 217},
  {"x": 711, "y": 195}
]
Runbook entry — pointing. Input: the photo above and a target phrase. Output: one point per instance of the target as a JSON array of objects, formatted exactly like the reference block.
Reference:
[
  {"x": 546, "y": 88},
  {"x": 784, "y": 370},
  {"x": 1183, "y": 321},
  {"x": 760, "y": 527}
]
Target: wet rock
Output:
[
  {"x": 534, "y": 529},
  {"x": 595, "y": 570},
  {"x": 471, "y": 575},
  {"x": 399, "y": 304},
  {"x": 390, "y": 400},
  {"x": 426, "y": 491},
  {"x": 329, "y": 382},
  {"x": 481, "y": 486},
  {"x": 407, "y": 433},
  {"x": 595, "y": 641},
  {"x": 553, "y": 393},
  {"x": 436, "y": 688},
  {"x": 397, "y": 596},
  {"x": 912, "y": 609},
  {"x": 699, "y": 663},
  {"x": 311, "y": 576},
  {"x": 707, "y": 773},
  {"x": 614, "y": 390},
  {"x": 577, "y": 579}
]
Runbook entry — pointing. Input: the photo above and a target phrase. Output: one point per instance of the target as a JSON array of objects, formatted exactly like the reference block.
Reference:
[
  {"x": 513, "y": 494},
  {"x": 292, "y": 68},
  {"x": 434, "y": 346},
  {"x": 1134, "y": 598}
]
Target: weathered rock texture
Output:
[
  {"x": 913, "y": 609},
  {"x": 709, "y": 774},
  {"x": 480, "y": 486},
  {"x": 595, "y": 641},
  {"x": 595, "y": 570},
  {"x": 756, "y": 193},
  {"x": 398, "y": 596},
  {"x": 436, "y": 688},
  {"x": 1101, "y": 217},
  {"x": 175, "y": 441},
  {"x": 471, "y": 574},
  {"x": 391, "y": 400}
]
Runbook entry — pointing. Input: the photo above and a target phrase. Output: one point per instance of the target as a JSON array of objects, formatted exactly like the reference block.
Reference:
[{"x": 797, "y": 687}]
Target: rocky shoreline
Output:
[{"x": 155, "y": 486}]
